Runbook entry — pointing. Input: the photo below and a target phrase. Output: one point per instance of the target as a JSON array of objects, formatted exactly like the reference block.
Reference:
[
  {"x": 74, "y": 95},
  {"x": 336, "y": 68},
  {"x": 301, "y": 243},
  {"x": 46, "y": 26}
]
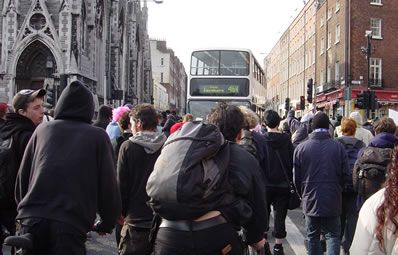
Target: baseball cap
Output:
[{"x": 25, "y": 96}]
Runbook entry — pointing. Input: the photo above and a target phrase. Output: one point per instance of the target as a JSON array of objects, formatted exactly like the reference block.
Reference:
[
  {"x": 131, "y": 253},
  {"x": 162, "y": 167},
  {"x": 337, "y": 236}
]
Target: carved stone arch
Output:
[
  {"x": 23, "y": 44},
  {"x": 34, "y": 63}
]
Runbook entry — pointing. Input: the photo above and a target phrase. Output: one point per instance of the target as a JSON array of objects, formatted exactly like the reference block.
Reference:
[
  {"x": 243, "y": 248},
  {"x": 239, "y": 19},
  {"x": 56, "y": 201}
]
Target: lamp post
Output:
[{"x": 367, "y": 51}]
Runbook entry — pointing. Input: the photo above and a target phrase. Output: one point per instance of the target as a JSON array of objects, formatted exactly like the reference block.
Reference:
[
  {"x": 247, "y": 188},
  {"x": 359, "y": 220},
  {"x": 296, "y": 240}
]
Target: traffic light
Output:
[
  {"x": 373, "y": 104},
  {"x": 50, "y": 97},
  {"x": 302, "y": 103},
  {"x": 363, "y": 100},
  {"x": 310, "y": 86},
  {"x": 287, "y": 104}
]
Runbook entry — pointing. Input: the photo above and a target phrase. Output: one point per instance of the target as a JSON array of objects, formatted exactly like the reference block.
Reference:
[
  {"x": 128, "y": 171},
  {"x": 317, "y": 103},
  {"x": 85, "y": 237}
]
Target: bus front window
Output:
[
  {"x": 201, "y": 108},
  {"x": 224, "y": 62}
]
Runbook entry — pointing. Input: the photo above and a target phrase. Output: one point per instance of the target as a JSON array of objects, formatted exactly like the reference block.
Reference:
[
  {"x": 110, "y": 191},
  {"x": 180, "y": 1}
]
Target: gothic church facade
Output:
[{"x": 49, "y": 43}]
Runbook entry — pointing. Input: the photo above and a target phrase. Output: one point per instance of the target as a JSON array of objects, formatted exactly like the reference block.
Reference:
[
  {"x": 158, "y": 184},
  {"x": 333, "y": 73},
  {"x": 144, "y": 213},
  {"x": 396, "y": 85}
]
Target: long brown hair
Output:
[{"x": 388, "y": 210}]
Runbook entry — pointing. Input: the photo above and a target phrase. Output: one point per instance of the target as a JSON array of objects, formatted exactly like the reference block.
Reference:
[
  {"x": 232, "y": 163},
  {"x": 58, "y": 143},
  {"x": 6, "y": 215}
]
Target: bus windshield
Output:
[
  {"x": 220, "y": 62},
  {"x": 201, "y": 108},
  {"x": 237, "y": 87}
]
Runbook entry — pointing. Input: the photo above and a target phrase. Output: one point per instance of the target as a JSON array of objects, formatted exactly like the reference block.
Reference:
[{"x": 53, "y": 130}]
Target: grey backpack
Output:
[
  {"x": 370, "y": 170},
  {"x": 190, "y": 175}
]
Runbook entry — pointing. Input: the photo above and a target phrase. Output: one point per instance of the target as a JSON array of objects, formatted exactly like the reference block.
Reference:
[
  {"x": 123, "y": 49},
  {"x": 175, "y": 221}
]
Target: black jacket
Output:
[
  {"x": 274, "y": 172},
  {"x": 20, "y": 128},
  {"x": 68, "y": 173},
  {"x": 101, "y": 123},
  {"x": 137, "y": 157},
  {"x": 249, "y": 208}
]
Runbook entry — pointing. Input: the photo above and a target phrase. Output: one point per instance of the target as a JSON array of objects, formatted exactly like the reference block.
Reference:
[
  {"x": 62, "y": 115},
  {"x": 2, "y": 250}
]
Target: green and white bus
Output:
[{"x": 231, "y": 75}]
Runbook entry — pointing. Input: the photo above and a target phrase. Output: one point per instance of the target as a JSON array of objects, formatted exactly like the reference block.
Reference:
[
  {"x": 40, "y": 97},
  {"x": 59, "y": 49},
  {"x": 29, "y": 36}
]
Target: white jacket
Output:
[
  {"x": 365, "y": 241},
  {"x": 364, "y": 135}
]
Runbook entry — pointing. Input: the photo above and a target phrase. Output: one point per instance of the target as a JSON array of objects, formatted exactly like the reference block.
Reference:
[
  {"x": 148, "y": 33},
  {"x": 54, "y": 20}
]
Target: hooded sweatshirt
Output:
[
  {"x": 361, "y": 133},
  {"x": 137, "y": 157},
  {"x": 278, "y": 143},
  {"x": 20, "y": 128},
  {"x": 67, "y": 173}
]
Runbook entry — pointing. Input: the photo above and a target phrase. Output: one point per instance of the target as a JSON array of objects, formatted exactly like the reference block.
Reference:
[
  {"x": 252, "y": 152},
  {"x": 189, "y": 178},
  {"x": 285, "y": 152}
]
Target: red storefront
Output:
[{"x": 387, "y": 98}]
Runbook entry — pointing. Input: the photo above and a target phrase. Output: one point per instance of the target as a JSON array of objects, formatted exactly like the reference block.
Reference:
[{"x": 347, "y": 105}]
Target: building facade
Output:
[
  {"x": 291, "y": 62},
  {"x": 340, "y": 58},
  {"x": 49, "y": 43},
  {"x": 169, "y": 72}
]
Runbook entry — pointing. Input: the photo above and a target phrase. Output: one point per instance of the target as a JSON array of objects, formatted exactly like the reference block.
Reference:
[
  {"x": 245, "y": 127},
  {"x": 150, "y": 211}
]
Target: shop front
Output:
[{"x": 333, "y": 102}]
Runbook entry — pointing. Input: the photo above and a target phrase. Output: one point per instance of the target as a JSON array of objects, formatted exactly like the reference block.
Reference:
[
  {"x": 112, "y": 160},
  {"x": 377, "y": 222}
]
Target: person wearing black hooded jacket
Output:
[
  {"x": 17, "y": 129},
  {"x": 67, "y": 175},
  {"x": 278, "y": 169}
]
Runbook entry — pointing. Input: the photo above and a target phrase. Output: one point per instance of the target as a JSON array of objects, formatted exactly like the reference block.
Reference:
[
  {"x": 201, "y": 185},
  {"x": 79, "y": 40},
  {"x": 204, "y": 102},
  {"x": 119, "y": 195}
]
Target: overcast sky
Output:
[{"x": 191, "y": 24}]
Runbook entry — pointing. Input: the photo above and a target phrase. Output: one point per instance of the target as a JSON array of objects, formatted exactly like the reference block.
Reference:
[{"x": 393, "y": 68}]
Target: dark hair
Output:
[
  {"x": 385, "y": 125},
  {"x": 388, "y": 210},
  {"x": 124, "y": 121},
  {"x": 104, "y": 113},
  {"x": 272, "y": 119},
  {"x": 146, "y": 114},
  {"x": 228, "y": 118}
]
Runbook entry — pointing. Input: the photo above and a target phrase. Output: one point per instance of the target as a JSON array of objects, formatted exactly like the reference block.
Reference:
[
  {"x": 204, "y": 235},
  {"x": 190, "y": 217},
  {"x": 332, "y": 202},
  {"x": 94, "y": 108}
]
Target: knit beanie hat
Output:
[{"x": 320, "y": 120}]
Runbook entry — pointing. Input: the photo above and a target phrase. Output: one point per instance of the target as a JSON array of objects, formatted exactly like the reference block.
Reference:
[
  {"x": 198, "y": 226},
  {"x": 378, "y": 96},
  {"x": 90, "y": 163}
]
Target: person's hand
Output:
[
  {"x": 259, "y": 245},
  {"x": 98, "y": 227}
]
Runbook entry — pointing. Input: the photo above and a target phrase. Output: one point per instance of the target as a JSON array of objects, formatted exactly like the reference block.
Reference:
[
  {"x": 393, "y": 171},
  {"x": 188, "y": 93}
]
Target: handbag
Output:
[{"x": 294, "y": 198}]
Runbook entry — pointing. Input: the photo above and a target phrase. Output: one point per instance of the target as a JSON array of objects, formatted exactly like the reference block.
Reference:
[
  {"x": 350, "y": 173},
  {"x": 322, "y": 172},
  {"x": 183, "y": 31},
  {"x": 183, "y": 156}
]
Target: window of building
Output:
[
  {"x": 313, "y": 55},
  {"x": 161, "y": 77},
  {"x": 375, "y": 26},
  {"x": 375, "y": 71},
  {"x": 337, "y": 39},
  {"x": 329, "y": 40},
  {"x": 330, "y": 13},
  {"x": 322, "y": 46},
  {"x": 337, "y": 6},
  {"x": 376, "y": 2},
  {"x": 329, "y": 74},
  {"x": 322, "y": 78},
  {"x": 337, "y": 72},
  {"x": 161, "y": 61}
]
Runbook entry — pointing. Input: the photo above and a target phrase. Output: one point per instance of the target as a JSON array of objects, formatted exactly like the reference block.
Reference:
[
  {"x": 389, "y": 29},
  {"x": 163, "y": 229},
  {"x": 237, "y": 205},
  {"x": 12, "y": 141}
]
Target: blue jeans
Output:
[{"x": 331, "y": 228}]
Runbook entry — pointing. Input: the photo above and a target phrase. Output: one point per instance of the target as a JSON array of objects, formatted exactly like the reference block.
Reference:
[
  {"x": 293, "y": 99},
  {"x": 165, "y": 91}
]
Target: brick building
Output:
[
  {"x": 343, "y": 67},
  {"x": 170, "y": 73},
  {"x": 334, "y": 57},
  {"x": 51, "y": 42},
  {"x": 291, "y": 62}
]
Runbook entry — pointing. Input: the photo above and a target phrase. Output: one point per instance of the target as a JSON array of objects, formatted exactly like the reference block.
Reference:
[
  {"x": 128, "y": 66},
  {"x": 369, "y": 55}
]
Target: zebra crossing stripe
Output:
[{"x": 295, "y": 238}]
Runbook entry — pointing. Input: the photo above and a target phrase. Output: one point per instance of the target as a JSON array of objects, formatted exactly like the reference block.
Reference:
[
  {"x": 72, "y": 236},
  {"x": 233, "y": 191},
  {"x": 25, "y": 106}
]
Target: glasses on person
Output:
[{"x": 25, "y": 92}]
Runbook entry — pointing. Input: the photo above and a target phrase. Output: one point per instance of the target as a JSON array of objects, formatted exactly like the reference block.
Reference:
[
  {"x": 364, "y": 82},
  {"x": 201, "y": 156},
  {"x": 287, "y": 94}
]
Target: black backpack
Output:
[
  {"x": 8, "y": 173},
  {"x": 352, "y": 151},
  {"x": 190, "y": 175},
  {"x": 370, "y": 170}
]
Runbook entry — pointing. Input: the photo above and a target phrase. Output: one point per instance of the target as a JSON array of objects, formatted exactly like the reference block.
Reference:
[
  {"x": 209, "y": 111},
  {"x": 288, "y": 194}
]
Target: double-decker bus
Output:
[{"x": 231, "y": 75}]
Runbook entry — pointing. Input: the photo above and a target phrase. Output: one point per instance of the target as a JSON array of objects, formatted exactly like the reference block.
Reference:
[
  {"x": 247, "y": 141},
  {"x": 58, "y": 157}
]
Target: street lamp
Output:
[{"x": 367, "y": 51}]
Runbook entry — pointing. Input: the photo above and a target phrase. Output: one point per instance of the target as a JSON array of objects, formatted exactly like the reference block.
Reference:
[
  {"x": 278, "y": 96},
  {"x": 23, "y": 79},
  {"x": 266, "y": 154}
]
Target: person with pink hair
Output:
[{"x": 113, "y": 129}]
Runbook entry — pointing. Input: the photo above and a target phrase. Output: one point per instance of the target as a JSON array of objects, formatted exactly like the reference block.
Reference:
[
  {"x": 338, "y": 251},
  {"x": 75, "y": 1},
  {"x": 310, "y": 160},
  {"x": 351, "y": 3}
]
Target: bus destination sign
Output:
[{"x": 219, "y": 89}]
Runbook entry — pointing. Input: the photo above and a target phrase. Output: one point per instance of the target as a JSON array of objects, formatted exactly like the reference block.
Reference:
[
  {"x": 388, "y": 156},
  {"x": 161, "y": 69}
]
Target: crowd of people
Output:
[{"x": 172, "y": 185}]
